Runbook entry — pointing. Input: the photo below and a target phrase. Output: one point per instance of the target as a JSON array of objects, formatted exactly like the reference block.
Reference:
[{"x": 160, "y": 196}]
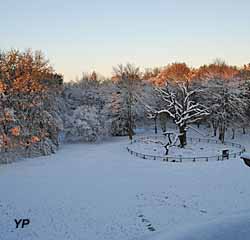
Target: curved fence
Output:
[{"x": 167, "y": 158}]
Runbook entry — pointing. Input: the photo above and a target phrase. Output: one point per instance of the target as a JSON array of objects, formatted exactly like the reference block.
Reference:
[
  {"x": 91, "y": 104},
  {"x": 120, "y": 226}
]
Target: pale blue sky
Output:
[{"x": 84, "y": 35}]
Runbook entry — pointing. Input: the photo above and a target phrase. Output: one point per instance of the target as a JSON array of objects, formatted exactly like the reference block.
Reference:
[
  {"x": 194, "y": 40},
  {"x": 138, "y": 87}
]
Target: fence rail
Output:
[{"x": 188, "y": 159}]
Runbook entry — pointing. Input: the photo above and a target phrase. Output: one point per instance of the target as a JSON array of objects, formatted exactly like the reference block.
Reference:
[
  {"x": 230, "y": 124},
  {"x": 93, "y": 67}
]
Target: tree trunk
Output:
[
  {"x": 215, "y": 131},
  {"x": 130, "y": 118},
  {"x": 169, "y": 139},
  {"x": 155, "y": 121},
  {"x": 166, "y": 148},
  {"x": 130, "y": 135},
  {"x": 215, "y": 127},
  {"x": 222, "y": 133},
  {"x": 233, "y": 133},
  {"x": 244, "y": 130},
  {"x": 130, "y": 129},
  {"x": 183, "y": 136}
]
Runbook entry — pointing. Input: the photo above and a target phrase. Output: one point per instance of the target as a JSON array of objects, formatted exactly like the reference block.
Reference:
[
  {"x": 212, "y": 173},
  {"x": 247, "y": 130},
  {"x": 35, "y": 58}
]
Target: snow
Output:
[
  {"x": 229, "y": 228},
  {"x": 99, "y": 192},
  {"x": 193, "y": 149},
  {"x": 245, "y": 155},
  {"x": 182, "y": 108}
]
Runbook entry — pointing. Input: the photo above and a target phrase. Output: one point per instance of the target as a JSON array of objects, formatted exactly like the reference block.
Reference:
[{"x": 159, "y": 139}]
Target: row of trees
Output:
[
  {"x": 178, "y": 71},
  {"x": 38, "y": 110},
  {"x": 216, "y": 93}
]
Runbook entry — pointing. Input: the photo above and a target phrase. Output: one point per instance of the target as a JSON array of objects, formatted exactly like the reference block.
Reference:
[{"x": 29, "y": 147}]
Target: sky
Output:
[{"x": 81, "y": 36}]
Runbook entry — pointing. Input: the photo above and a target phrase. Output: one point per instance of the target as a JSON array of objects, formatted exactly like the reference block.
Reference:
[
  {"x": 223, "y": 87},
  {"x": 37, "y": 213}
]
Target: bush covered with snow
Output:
[
  {"x": 85, "y": 124},
  {"x": 85, "y": 114}
]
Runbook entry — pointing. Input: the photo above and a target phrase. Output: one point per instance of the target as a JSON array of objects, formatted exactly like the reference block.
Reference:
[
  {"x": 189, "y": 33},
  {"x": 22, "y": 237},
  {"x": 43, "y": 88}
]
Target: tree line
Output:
[{"x": 38, "y": 111}]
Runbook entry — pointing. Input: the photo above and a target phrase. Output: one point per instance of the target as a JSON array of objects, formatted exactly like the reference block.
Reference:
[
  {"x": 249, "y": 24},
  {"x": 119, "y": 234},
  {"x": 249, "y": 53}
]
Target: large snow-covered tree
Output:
[
  {"x": 181, "y": 107},
  {"x": 28, "y": 89},
  {"x": 127, "y": 80},
  {"x": 227, "y": 102}
]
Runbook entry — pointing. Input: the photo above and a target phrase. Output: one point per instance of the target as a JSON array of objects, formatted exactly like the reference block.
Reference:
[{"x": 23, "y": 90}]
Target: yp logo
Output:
[{"x": 22, "y": 222}]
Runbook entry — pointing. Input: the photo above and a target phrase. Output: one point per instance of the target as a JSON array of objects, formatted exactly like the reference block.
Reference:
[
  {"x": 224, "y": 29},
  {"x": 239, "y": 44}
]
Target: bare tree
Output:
[{"x": 182, "y": 108}]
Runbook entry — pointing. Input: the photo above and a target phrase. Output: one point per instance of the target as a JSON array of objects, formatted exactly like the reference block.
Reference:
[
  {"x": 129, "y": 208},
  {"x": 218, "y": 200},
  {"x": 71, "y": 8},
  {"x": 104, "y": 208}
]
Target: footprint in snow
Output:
[{"x": 148, "y": 224}]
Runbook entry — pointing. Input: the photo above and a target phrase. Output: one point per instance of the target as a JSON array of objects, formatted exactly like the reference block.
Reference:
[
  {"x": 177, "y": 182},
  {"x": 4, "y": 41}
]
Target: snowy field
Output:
[{"x": 100, "y": 192}]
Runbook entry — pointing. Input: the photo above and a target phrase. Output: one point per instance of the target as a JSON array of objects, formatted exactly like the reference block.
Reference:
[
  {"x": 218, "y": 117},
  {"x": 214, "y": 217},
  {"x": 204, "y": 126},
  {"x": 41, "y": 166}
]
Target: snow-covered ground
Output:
[
  {"x": 195, "y": 148},
  {"x": 99, "y": 192}
]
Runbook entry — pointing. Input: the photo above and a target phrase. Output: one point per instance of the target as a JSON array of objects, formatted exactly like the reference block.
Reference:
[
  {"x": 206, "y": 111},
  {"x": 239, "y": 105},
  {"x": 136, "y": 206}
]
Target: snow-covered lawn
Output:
[
  {"x": 99, "y": 191},
  {"x": 194, "y": 148}
]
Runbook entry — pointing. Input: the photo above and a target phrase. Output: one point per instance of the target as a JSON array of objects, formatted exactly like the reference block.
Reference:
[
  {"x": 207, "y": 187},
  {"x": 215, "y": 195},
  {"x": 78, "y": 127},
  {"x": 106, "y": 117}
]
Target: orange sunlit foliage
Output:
[
  {"x": 115, "y": 79},
  {"x": 246, "y": 67},
  {"x": 177, "y": 72},
  {"x": 151, "y": 73},
  {"x": 172, "y": 72},
  {"x": 2, "y": 87},
  {"x": 24, "y": 72},
  {"x": 35, "y": 139},
  {"x": 15, "y": 131},
  {"x": 245, "y": 72},
  {"x": 93, "y": 76},
  {"x": 217, "y": 70},
  {"x": 26, "y": 83}
]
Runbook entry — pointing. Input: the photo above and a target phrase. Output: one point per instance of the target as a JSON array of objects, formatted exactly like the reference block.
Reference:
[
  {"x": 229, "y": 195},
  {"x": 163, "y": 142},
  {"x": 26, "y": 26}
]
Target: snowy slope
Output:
[{"x": 99, "y": 192}]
